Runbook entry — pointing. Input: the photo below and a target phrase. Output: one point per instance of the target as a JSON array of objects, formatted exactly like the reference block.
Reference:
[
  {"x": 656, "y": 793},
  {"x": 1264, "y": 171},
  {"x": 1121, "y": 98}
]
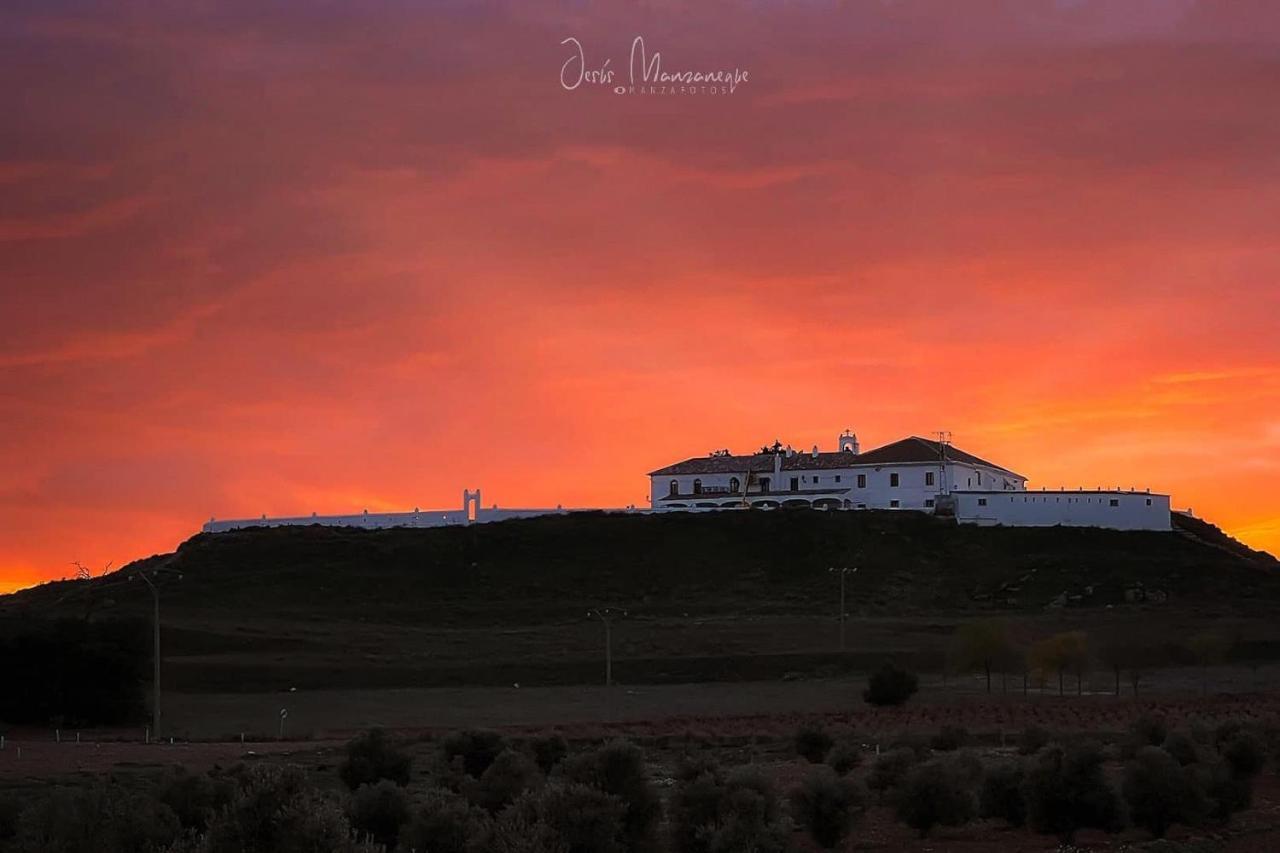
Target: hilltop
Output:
[{"x": 719, "y": 595}]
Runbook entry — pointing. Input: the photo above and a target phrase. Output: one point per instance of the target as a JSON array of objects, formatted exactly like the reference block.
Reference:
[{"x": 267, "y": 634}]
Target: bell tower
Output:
[{"x": 848, "y": 442}]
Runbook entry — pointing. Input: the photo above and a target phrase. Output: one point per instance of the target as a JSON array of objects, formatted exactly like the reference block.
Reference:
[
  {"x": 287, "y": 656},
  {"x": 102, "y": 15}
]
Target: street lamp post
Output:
[
  {"x": 155, "y": 626},
  {"x": 605, "y": 615},
  {"x": 843, "y": 573}
]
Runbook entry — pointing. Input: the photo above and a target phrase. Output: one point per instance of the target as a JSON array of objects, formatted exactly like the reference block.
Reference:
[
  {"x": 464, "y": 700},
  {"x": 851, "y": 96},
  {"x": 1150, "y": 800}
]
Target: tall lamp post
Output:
[
  {"x": 155, "y": 625},
  {"x": 605, "y": 615},
  {"x": 844, "y": 572}
]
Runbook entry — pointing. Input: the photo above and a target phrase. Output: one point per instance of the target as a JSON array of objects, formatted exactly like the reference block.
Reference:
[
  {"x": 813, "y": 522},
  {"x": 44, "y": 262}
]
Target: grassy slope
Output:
[{"x": 707, "y": 594}]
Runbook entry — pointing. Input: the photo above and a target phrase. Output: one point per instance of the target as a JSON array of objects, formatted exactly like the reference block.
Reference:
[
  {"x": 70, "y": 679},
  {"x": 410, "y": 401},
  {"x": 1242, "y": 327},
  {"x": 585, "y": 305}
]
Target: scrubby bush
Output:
[
  {"x": 1033, "y": 739},
  {"x": 1146, "y": 730},
  {"x": 510, "y": 775},
  {"x": 889, "y": 769},
  {"x": 617, "y": 769},
  {"x": 1224, "y": 792},
  {"x": 934, "y": 794},
  {"x": 751, "y": 817},
  {"x": 275, "y": 810},
  {"x": 1066, "y": 790},
  {"x": 844, "y": 757},
  {"x": 474, "y": 749},
  {"x": 949, "y": 739},
  {"x": 372, "y": 757},
  {"x": 10, "y": 808},
  {"x": 548, "y": 751},
  {"x": 93, "y": 819},
  {"x": 378, "y": 811},
  {"x": 824, "y": 805},
  {"x": 710, "y": 812},
  {"x": 1160, "y": 792},
  {"x": 569, "y": 818},
  {"x": 1245, "y": 753},
  {"x": 890, "y": 685},
  {"x": 444, "y": 822},
  {"x": 1182, "y": 748},
  {"x": 194, "y": 797},
  {"x": 1001, "y": 794},
  {"x": 917, "y": 743},
  {"x": 813, "y": 743}
]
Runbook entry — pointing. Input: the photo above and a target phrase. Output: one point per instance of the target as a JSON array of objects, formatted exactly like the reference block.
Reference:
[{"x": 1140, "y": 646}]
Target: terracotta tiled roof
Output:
[{"x": 909, "y": 450}]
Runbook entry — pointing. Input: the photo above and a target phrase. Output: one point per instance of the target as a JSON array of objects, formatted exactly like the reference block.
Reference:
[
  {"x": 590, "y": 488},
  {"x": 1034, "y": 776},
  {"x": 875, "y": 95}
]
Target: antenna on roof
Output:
[{"x": 944, "y": 441}]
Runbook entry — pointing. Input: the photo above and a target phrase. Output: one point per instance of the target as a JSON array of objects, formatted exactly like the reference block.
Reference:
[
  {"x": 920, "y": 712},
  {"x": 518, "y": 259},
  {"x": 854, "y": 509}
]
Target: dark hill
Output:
[{"x": 550, "y": 568}]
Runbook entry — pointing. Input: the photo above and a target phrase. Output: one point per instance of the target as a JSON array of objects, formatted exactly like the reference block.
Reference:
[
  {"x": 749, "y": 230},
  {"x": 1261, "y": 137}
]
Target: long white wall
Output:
[{"x": 1113, "y": 509}]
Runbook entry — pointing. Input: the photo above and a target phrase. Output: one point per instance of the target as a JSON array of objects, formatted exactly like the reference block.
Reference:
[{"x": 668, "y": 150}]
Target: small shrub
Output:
[
  {"x": 94, "y": 819},
  {"x": 1245, "y": 754},
  {"x": 1182, "y": 748},
  {"x": 378, "y": 810},
  {"x": 751, "y": 817},
  {"x": 548, "y": 751},
  {"x": 1225, "y": 793},
  {"x": 570, "y": 818},
  {"x": 844, "y": 757},
  {"x": 10, "y": 808},
  {"x": 444, "y": 822},
  {"x": 1146, "y": 730},
  {"x": 510, "y": 775},
  {"x": 890, "y": 769},
  {"x": 194, "y": 797},
  {"x": 617, "y": 768},
  {"x": 1001, "y": 794},
  {"x": 1160, "y": 793},
  {"x": 476, "y": 749},
  {"x": 1065, "y": 790},
  {"x": 1033, "y": 739},
  {"x": 890, "y": 685},
  {"x": 917, "y": 743},
  {"x": 813, "y": 743},
  {"x": 949, "y": 739},
  {"x": 934, "y": 794},
  {"x": 824, "y": 805},
  {"x": 275, "y": 810},
  {"x": 372, "y": 757},
  {"x": 694, "y": 810}
]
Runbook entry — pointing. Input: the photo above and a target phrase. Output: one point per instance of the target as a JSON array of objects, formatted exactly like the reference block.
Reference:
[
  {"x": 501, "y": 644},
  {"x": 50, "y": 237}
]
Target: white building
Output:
[{"x": 914, "y": 473}]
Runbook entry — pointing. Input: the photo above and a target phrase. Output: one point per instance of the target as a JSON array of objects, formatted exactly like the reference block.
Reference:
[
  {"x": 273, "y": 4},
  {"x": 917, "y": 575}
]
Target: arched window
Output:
[
  {"x": 734, "y": 485},
  {"x": 674, "y": 488},
  {"x": 697, "y": 487}
]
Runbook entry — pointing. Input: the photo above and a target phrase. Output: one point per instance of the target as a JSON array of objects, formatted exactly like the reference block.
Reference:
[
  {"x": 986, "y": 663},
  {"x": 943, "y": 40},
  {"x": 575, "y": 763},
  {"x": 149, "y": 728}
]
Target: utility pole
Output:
[
  {"x": 155, "y": 625},
  {"x": 843, "y": 573},
  {"x": 605, "y": 615}
]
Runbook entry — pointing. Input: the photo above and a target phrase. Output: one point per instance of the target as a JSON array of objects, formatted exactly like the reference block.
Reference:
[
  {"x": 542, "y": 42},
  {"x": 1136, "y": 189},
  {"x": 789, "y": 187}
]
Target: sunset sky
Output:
[{"x": 323, "y": 256}]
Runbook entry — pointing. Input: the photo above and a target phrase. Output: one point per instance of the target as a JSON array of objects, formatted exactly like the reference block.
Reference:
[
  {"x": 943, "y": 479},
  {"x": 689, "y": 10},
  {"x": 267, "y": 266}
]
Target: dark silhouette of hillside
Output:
[{"x": 549, "y": 568}]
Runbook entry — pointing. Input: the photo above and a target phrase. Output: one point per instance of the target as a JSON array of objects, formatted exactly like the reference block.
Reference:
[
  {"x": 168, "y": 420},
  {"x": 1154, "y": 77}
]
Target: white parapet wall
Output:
[{"x": 1117, "y": 510}]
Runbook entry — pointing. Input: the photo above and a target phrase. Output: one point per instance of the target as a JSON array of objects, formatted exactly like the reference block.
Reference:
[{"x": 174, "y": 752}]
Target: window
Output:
[
  {"x": 928, "y": 478},
  {"x": 893, "y": 480},
  {"x": 837, "y": 478},
  {"x": 697, "y": 487},
  {"x": 977, "y": 475},
  {"x": 968, "y": 481},
  {"x": 815, "y": 479},
  {"x": 1148, "y": 501},
  {"x": 764, "y": 484},
  {"x": 734, "y": 484},
  {"x": 795, "y": 484},
  {"x": 982, "y": 501},
  {"x": 862, "y": 481},
  {"x": 1115, "y": 502},
  {"x": 673, "y": 488},
  {"x": 928, "y": 501},
  {"x": 893, "y": 504}
]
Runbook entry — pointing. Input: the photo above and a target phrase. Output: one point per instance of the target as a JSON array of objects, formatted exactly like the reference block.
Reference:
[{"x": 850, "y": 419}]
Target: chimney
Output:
[
  {"x": 777, "y": 469},
  {"x": 790, "y": 452},
  {"x": 815, "y": 451}
]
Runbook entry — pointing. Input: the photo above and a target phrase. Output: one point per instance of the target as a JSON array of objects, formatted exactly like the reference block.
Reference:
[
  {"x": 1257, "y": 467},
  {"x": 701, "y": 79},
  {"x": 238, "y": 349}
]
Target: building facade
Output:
[{"x": 907, "y": 474}]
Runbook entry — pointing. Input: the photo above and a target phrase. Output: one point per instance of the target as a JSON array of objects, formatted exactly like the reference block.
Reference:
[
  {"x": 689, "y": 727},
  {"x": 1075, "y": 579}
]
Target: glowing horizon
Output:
[{"x": 290, "y": 259}]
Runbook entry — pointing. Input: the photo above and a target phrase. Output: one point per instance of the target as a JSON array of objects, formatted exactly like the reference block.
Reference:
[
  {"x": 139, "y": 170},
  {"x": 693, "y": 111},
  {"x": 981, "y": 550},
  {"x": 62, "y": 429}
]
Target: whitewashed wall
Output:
[{"x": 1113, "y": 509}]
